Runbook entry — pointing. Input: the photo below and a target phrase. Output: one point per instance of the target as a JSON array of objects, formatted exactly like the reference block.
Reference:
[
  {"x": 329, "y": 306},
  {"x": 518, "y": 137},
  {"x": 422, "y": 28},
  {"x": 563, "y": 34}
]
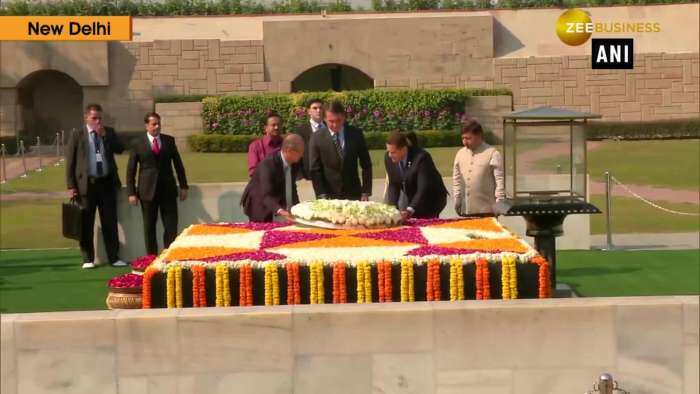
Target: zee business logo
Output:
[{"x": 575, "y": 26}]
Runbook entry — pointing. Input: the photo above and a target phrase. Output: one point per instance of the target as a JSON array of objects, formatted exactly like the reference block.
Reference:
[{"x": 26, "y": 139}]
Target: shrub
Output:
[
  {"x": 239, "y": 143},
  {"x": 370, "y": 110},
  {"x": 669, "y": 129}
]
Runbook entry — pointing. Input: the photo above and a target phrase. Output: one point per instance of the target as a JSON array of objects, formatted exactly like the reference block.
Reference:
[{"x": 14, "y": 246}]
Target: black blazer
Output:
[
  {"x": 422, "y": 183},
  {"x": 304, "y": 130},
  {"x": 265, "y": 193},
  {"x": 336, "y": 177},
  {"x": 78, "y": 163},
  {"x": 155, "y": 172}
]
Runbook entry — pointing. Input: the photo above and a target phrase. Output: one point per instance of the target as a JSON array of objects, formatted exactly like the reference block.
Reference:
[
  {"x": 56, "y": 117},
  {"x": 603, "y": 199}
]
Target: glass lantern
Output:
[{"x": 545, "y": 154}]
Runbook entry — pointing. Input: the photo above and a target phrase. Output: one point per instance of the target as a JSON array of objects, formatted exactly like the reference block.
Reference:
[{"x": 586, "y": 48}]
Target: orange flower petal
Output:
[
  {"x": 205, "y": 229},
  {"x": 483, "y": 224},
  {"x": 196, "y": 253},
  {"x": 342, "y": 242},
  {"x": 503, "y": 244}
]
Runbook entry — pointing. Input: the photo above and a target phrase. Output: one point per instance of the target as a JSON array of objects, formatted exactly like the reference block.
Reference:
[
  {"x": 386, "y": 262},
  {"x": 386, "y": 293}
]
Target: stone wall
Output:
[
  {"x": 649, "y": 344},
  {"x": 661, "y": 86},
  {"x": 484, "y": 49},
  {"x": 180, "y": 120}
]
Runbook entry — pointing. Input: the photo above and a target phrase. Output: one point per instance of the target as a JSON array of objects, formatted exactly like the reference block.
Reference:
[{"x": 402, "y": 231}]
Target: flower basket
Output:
[{"x": 124, "y": 292}]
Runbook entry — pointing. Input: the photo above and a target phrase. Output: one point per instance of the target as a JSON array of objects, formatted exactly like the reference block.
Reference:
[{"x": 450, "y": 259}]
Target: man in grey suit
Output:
[
  {"x": 334, "y": 156},
  {"x": 92, "y": 177}
]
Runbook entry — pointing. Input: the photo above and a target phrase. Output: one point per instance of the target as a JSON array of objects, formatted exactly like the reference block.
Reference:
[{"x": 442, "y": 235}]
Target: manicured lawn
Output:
[
  {"x": 34, "y": 281},
  {"x": 630, "y": 215},
  {"x": 669, "y": 163},
  {"x": 202, "y": 168},
  {"x": 32, "y": 224},
  {"x": 630, "y": 273},
  {"x": 51, "y": 280}
]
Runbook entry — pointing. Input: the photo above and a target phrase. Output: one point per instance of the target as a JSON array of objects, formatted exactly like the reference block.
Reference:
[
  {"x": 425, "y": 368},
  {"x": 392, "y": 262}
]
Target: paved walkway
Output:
[
  {"x": 649, "y": 241},
  {"x": 14, "y": 166}
]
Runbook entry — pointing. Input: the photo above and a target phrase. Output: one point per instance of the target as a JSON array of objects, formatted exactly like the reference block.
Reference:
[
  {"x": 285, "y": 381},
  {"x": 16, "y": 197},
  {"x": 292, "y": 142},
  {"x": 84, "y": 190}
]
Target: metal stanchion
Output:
[
  {"x": 608, "y": 212},
  {"x": 38, "y": 153},
  {"x": 606, "y": 385},
  {"x": 63, "y": 144},
  {"x": 24, "y": 161},
  {"x": 3, "y": 152},
  {"x": 58, "y": 150}
]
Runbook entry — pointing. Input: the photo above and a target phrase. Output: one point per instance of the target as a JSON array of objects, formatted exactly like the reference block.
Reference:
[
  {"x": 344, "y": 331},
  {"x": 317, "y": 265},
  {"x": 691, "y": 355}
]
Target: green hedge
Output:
[
  {"x": 370, "y": 110},
  {"x": 237, "y": 7},
  {"x": 167, "y": 7},
  {"x": 672, "y": 129},
  {"x": 186, "y": 98},
  {"x": 414, "y": 5},
  {"x": 239, "y": 143}
]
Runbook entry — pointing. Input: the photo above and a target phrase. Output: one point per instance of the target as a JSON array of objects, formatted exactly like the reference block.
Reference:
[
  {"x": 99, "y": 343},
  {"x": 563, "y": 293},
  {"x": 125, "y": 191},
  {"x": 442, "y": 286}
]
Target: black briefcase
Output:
[{"x": 72, "y": 219}]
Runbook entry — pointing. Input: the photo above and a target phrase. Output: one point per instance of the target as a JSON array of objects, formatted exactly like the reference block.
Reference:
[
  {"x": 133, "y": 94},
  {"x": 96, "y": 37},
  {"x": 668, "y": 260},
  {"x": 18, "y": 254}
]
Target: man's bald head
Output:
[{"x": 293, "y": 148}]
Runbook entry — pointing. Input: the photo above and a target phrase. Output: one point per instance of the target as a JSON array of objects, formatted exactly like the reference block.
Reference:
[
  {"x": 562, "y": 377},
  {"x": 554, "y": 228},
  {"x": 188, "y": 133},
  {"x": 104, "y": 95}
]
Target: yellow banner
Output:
[{"x": 65, "y": 28}]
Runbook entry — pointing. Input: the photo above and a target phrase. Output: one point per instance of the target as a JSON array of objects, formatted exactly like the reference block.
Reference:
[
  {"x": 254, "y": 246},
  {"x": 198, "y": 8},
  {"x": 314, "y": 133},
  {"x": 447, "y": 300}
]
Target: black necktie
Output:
[{"x": 96, "y": 138}]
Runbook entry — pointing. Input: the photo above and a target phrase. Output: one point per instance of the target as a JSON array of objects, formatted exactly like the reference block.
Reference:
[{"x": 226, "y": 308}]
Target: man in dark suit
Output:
[
  {"x": 272, "y": 190},
  {"x": 335, "y": 154},
  {"x": 308, "y": 128},
  {"x": 154, "y": 155},
  {"x": 411, "y": 170},
  {"x": 92, "y": 178}
]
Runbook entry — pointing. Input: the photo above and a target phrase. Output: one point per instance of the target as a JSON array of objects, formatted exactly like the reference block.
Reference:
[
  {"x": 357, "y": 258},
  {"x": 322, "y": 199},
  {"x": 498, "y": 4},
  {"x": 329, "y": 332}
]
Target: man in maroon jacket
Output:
[{"x": 269, "y": 143}]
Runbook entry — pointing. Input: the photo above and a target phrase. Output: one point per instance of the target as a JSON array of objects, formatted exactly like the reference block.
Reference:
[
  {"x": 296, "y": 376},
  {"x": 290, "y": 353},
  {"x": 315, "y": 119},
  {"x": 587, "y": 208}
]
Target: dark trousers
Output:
[
  {"x": 167, "y": 205},
  {"x": 101, "y": 196}
]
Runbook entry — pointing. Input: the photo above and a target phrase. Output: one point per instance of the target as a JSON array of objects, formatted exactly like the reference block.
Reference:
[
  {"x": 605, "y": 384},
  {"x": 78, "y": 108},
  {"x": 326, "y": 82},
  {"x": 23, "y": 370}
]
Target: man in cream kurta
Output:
[{"x": 477, "y": 174}]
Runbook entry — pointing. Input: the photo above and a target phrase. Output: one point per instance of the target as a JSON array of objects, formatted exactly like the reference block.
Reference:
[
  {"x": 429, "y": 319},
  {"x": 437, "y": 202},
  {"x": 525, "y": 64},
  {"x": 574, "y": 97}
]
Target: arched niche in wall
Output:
[
  {"x": 332, "y": 76},
  {"x": 49, "y": 101}
]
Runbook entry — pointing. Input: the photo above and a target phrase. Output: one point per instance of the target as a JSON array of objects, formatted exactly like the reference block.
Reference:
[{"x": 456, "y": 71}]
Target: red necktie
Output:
[{"x": 155, "y": 148}]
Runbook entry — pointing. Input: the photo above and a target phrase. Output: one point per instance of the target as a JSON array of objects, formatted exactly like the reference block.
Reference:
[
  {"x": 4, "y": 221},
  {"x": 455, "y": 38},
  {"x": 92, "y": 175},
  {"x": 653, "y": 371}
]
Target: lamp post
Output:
[{"x": 545, "y": 173}]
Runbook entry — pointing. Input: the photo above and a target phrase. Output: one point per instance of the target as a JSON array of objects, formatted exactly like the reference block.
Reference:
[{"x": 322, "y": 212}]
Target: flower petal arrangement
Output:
[
  {"x": 125, "y": 281},
  {"x": 285, "y": 263}
]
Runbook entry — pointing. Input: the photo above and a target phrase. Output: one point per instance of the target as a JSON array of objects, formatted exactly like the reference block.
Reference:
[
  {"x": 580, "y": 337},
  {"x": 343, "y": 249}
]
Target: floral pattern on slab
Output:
[
  {"x": 200, "y": 253},
  {"x": 276, "y": 238},
  {"x": 402, "y": 234}
]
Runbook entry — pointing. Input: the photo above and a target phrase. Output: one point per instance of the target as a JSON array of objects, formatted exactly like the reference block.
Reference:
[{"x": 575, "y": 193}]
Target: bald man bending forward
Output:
[{"x": 272, "y": 189}]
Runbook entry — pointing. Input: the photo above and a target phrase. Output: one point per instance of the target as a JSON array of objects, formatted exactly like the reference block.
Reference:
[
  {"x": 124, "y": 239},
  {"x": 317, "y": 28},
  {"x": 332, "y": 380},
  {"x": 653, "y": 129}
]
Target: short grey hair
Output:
[{"x": 293, "y": 142}]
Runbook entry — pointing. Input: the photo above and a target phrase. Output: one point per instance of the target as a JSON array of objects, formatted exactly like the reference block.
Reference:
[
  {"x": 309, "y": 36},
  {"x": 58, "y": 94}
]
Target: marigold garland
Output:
[
  {"x": 219, "y": 284},
  {"x": 227, "y": 286},
  {"x": 147, "y": 288},
  {"x": 432, "y": 286},
  {"x": 364, "y": 283},
  {"x": 174, "y": 286},
  {"x": 316, "y": 285},
  {"x": 199, "y": 293},
  {"x": 509, "y": 278},
  {"x": 483, "y": 287},
  {"x": 178, "y": 287},
  {"x": 272, "y": 289},
  {"x": 195, "y": 287},
  {"x": 456, "y": 280},
  {"x": 246, "y": 285},
  {"x": 407, "y": 292},
  {"x": 170, "y": 287},
  {"x": 340, "y": 290},
  {"x": 293, "y": 289},
  {"x": 545, "y": 281},
  {"x": 384, "y": 281}
]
